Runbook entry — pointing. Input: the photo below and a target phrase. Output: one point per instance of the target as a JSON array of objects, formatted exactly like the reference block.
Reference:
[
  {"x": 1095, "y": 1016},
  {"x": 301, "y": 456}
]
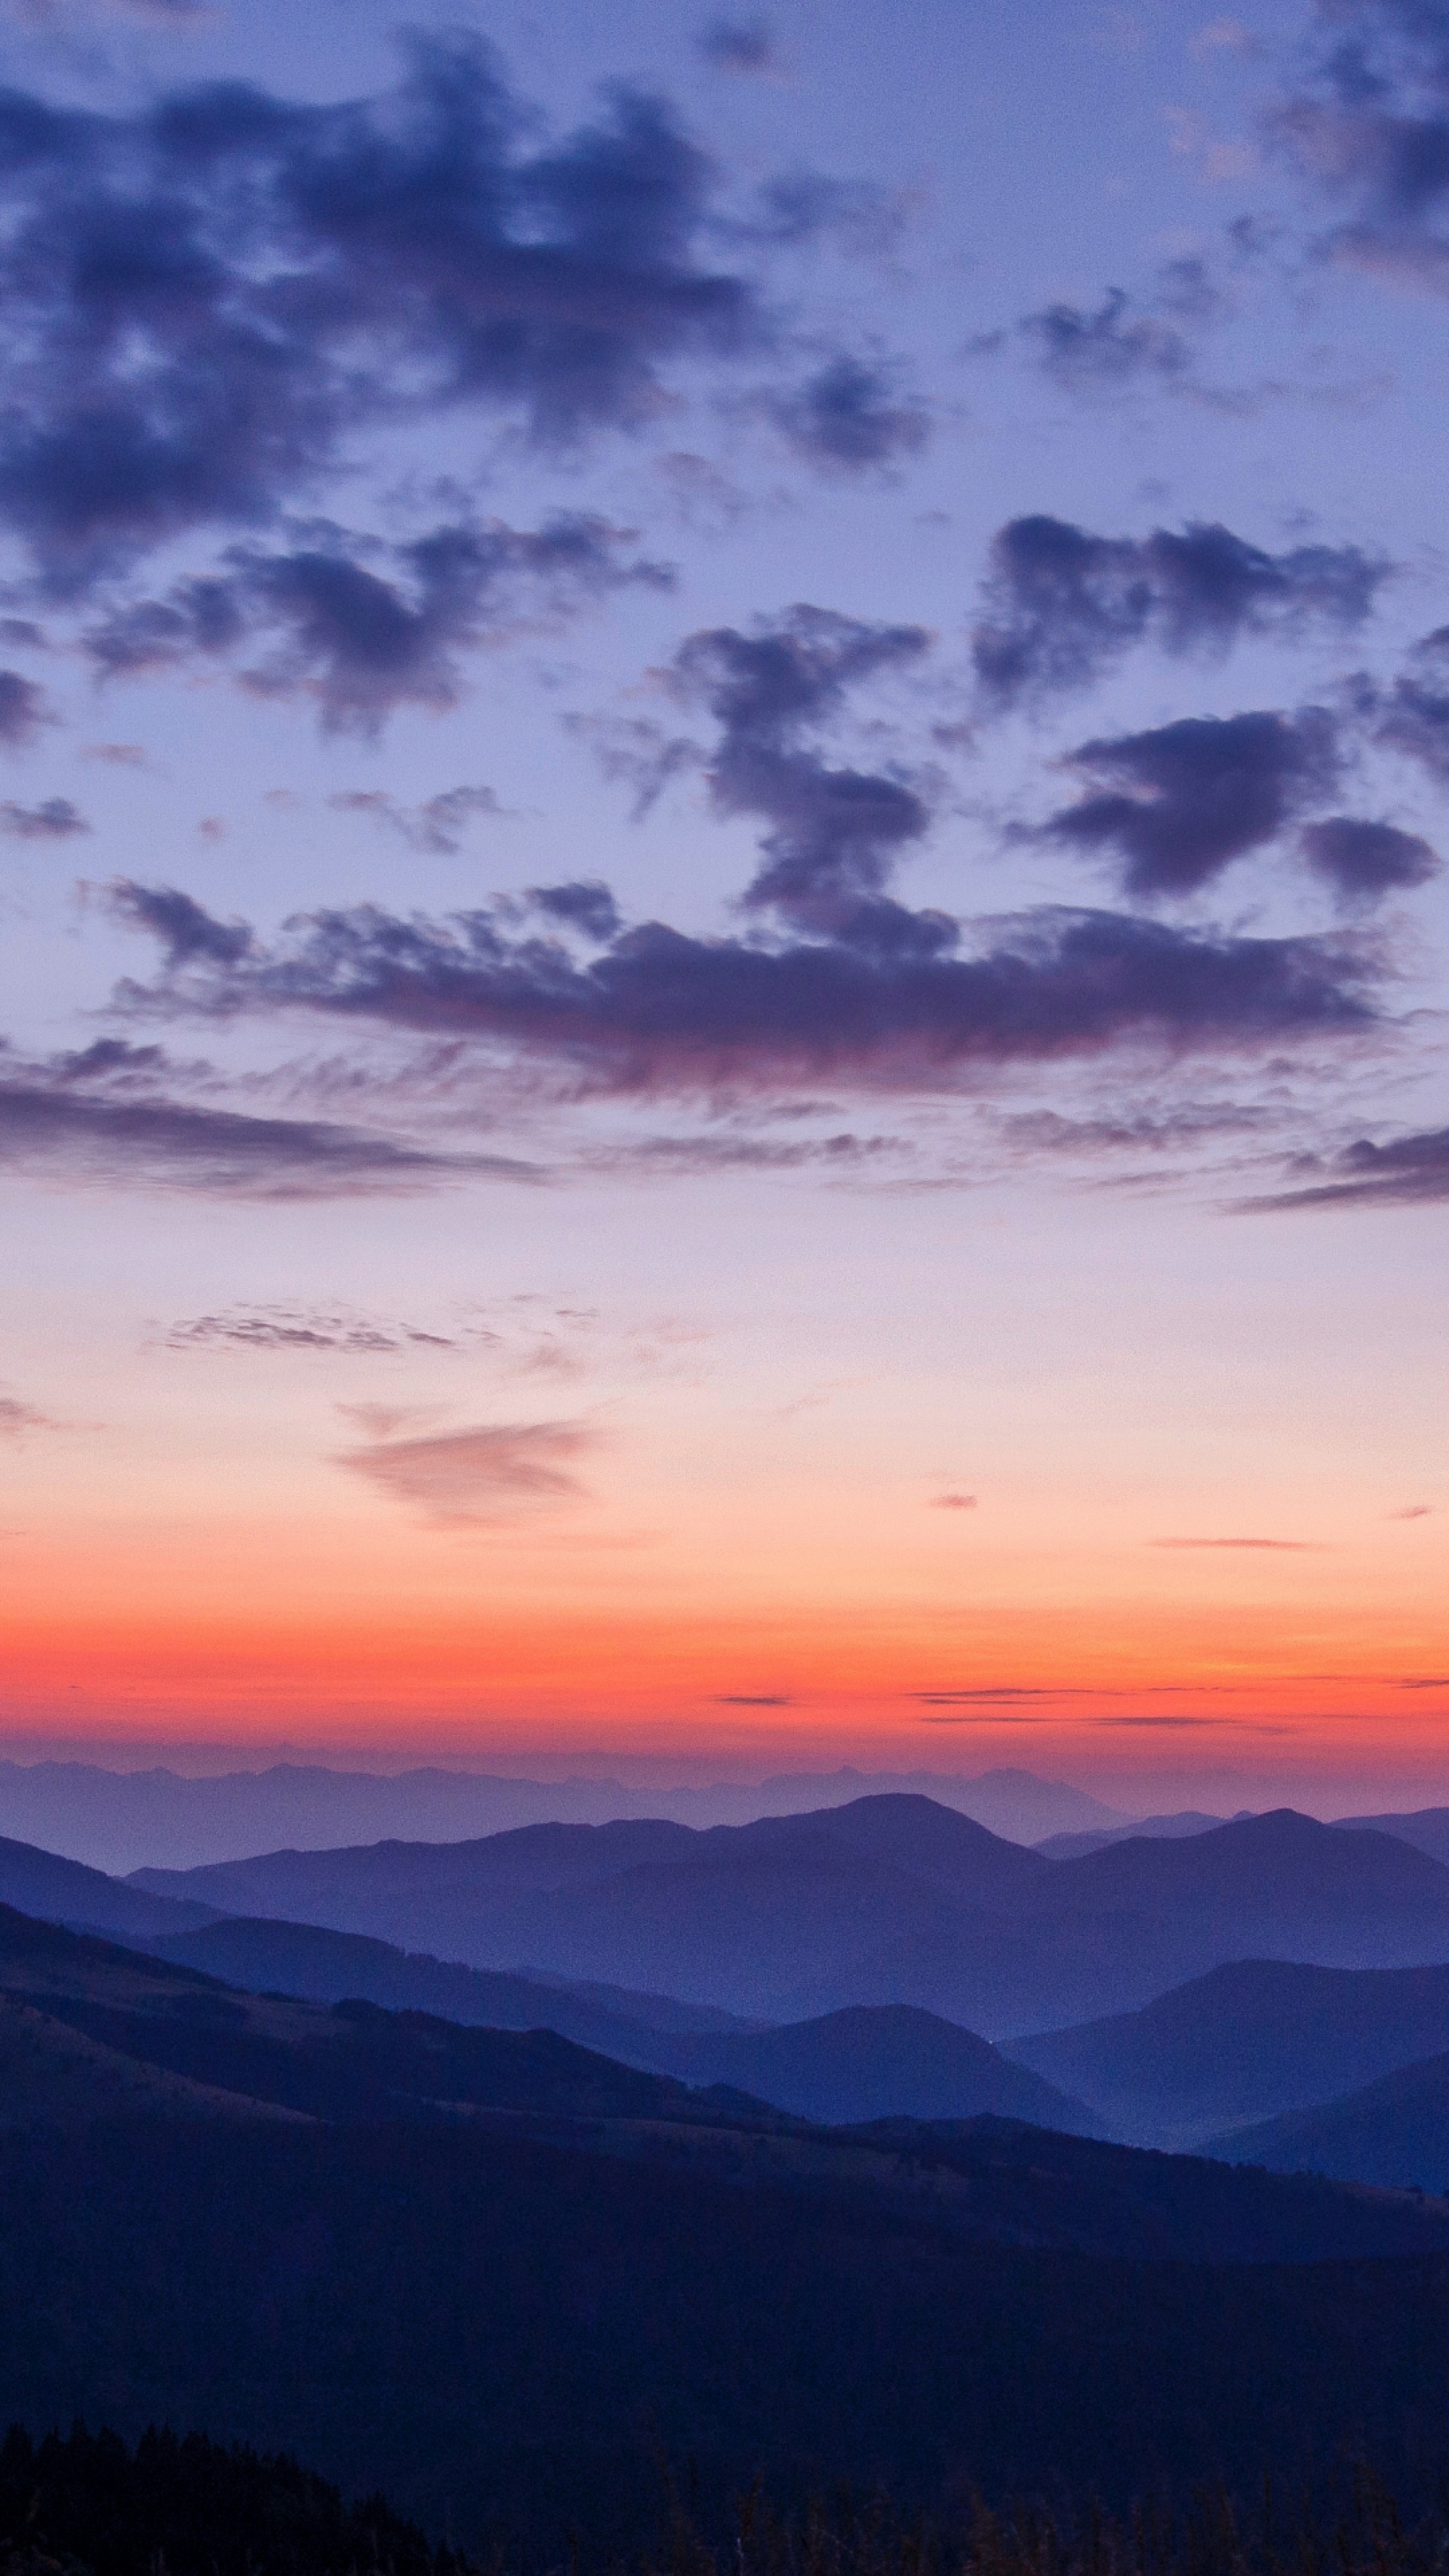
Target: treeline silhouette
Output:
[{"x": 84, "y": 2504}]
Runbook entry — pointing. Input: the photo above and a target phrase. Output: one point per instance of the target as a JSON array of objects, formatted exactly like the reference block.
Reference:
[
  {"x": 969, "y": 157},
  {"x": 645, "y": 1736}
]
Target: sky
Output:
[{"x": 724, "y": 752}]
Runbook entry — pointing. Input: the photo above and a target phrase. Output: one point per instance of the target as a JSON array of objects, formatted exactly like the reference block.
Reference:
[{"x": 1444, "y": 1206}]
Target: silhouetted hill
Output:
[
  {"x": 1427, "y": 1828},
  {"x": 1394, "y": 2133},
  {"x": 65, "y": 1891},
  {"x": 347, "y": 2062},
  {"x": 306, "y": 1959},
  {"x": 1251, "y": 2039},
  {"x": 869, "y": 2062},
  {"x": 890, "y": 1900}
]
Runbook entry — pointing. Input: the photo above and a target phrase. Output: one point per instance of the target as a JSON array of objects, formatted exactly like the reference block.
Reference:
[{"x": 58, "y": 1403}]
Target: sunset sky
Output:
[{"x": 725, "y": 743}]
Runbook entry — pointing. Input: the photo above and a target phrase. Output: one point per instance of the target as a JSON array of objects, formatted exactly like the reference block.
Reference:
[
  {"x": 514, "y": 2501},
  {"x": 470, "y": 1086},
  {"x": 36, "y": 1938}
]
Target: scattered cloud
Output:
[
  {"x": 953, "y": 1502},
  {"x": 833, "y": 834},
  {"x": 1413, "y": 1512},
  {"x": 117, "y": 1115},
  {"x": 23, "y": 710},
  {"x": 1108, "y": 347},
  {"x": 1408, "y": 1171},
  {"x": 299, "y": 1328},
  {"x": 754, "y": 1699},
  {"x": 849, "y": 418},
  {"x": 362, "y": 642},
  {"x": 16, "y": 1418},
  {"x": 1178, "y": 805},
  {"x": 1365, "y": 861},
  {"x": 56, "y": 820},
  {"x": 438, "y": 826},
  {"x": 743, "y": 46},
  {"x": 1272, "y": 1546},
  {"x": 273, "y": 288},
  {"x": 1060, "y": 604},
  {"x": 1369, "y": 134},
  {"x": 488, "y": 1473}
]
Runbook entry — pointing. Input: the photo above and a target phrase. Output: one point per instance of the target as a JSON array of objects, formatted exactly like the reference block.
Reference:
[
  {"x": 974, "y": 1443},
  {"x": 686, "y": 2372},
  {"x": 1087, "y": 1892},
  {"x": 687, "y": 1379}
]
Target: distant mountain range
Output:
[
  {"x": 890, "y": 1899},
  {"x": 125, "y": 1820}
]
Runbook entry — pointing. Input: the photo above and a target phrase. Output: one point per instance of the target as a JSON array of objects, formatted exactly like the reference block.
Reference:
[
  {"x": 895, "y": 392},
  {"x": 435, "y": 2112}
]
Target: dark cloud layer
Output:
[
  {"x": 1177, "y": 805},
  {"x": 359, "y": 641},
  {"x": 115, "y": 1114},
  {"x": 201, "y": 304},
  {"x": 657, "y": 1009},
  {"x": 1060, "y": 603}
]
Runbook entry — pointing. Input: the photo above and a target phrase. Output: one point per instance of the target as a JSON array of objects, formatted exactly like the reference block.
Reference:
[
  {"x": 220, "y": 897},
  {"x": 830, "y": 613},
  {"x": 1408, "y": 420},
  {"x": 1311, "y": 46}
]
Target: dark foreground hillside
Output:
[
  {"x": 87, "y": 2504},
  {"x": 504, "y": 2334}
]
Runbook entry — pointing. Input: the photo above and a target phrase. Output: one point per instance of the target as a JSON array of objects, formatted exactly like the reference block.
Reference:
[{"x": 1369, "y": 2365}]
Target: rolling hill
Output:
[
  {"x": 67, "y": 1891},
  {"x": 1246, "y": 2041},
  {"x": 871, "y": 2061},
  {"x": 1394, "y": 2133}
]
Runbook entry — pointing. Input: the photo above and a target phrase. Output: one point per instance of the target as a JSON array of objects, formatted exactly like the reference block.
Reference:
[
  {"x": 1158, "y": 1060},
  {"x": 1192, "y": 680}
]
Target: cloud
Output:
[
  {"x": 1370, "y": 134},
  {"x": 1413, "y": 1512},
  {"x": 22, "y": 710},
  {"x": 753, "y": 1699},
  {"x": 16, "y": 1419},
  {"x": 953, "y": 1502},
  {"x": 1408, "y": 1171},
  {"x": 1177, "y": 805},
  {"x": 1363, "y": 861},
  {"x": 56, "y": 820},
  {"x": 1106, "y": 348},
  {"x": 297, "y": 1328},
  {"x": 111, "y": 1114},
  {"x": 848, "y": 418},
  {"x": 438, "y": 826},
  {"x": 585, "y": 904},
  {"x": 743, "y": 46},
  {"x": 204, "y": 303},
  {"x": 1274, "y": 1546},
  {"x": 662, "y": 1010},
  {"x": 1060, "y": 604},
  {"x": 834, "y": 834},
  {"x": 488, "y": 1473},
  {"x": 360, "y": 642},
  {"x": 1414, "y": 716}
]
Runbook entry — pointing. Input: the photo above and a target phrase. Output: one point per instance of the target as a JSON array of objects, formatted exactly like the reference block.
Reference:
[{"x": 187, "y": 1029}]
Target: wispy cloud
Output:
[{"x": 484, "y": 1474}]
